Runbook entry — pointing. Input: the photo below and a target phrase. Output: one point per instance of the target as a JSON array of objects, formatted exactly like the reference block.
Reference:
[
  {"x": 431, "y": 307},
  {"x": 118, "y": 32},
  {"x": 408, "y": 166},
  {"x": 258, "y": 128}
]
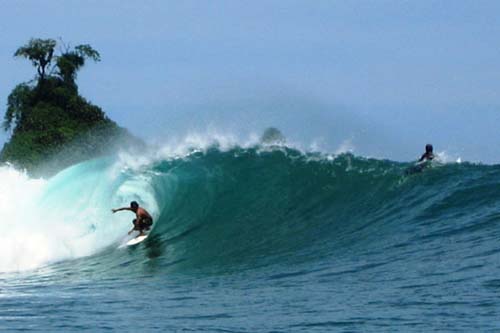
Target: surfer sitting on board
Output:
[
  {"x": 428, "y": 155},
  {"x": 143, "y": 220}
]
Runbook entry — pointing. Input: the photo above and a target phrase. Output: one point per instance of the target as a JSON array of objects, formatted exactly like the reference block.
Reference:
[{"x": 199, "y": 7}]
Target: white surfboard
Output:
[{"x": 136, "y": 240}]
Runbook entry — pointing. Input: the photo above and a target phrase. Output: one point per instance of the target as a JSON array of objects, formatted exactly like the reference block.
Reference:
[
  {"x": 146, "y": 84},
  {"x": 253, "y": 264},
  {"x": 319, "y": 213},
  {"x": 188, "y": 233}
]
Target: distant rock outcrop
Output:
[{"x": 272, "y": 136}]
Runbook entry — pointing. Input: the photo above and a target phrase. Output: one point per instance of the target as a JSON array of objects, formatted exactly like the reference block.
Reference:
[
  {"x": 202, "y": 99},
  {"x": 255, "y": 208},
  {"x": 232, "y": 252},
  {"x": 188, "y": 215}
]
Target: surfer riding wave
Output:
[{"x": 143, "y": 220}]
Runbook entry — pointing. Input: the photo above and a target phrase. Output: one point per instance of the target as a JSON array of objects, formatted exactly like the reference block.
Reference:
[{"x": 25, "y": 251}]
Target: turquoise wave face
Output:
[
  {"x": 243, "y": 208},
  {"x": 247, "y": 207}
]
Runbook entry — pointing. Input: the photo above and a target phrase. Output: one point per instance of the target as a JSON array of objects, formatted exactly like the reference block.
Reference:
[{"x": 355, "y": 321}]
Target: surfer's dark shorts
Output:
[{"x": 144, "y": 224}]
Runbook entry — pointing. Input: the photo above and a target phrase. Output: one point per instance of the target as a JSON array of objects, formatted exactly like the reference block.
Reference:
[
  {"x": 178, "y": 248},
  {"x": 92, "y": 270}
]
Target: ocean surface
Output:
[{"x": 252, "y": 239}]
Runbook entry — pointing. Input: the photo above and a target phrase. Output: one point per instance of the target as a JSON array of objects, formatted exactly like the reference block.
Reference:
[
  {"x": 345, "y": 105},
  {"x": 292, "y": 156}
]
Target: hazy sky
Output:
[{"x": 386, "y": 76}]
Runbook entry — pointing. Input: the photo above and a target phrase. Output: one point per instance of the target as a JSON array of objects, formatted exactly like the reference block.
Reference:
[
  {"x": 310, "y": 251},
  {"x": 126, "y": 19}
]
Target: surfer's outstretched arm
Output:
[{"x": 118, "y": 209}]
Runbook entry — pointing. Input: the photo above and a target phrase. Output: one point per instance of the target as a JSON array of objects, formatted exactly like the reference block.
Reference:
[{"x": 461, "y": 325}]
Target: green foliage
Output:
[
  {"x": 51, "y": 123},
  {"x": 17, "y": 102},
  {"x": 71, "y": 61},
  {"x": 39, "y": 52},
  {"x": 86, "y": 51}
]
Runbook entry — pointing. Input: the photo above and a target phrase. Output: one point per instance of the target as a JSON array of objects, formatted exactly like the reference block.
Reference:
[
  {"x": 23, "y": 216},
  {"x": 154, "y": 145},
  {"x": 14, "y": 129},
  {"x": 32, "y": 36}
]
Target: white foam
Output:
[
  {"x": 445, "y": 157},
  {"x": 194, "y": 142},
  {"x": 18, "y": 197},
  {"x": 345, "y": 147}
]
